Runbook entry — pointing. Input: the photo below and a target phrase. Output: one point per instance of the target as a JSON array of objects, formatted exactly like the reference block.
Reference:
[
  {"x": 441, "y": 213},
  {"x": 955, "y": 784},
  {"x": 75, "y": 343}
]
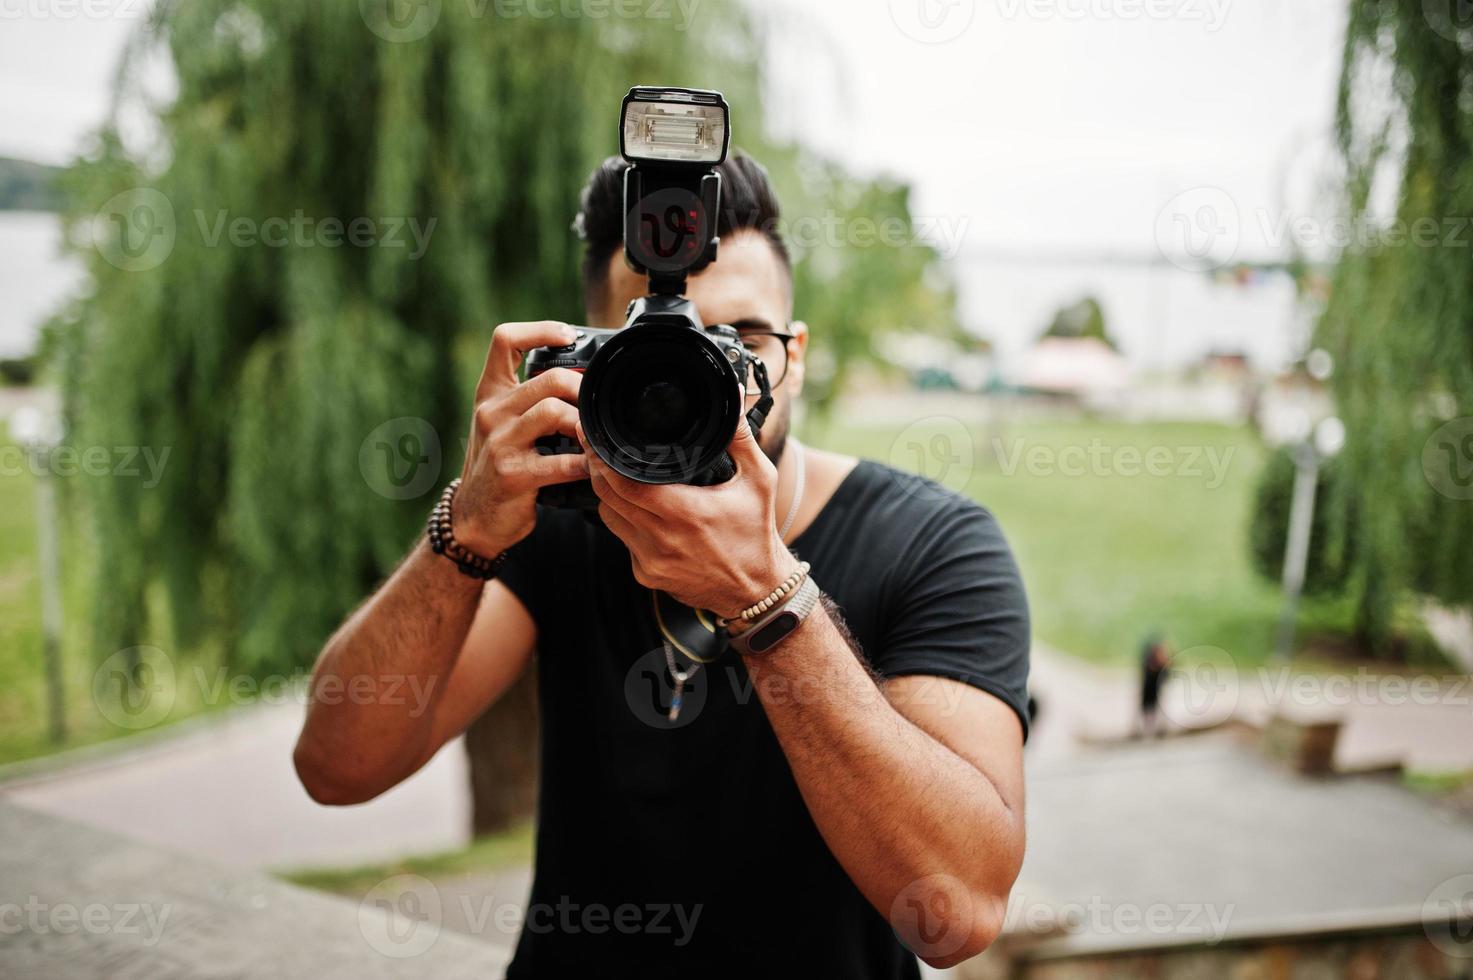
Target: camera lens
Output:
[
  {"x": 660, "y": 410},
  {"x": 660, "y": 403}
]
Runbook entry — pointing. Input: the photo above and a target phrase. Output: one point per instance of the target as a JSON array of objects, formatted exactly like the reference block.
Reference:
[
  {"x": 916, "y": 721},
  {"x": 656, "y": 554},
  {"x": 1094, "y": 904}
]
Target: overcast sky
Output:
[{"x": 1027, "y": 123}]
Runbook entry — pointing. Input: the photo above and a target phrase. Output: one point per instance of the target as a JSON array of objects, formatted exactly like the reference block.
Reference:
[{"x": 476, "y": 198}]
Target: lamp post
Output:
[
  {"x": 1312, "y": 448},
  {"x": 38, "y": 433}
]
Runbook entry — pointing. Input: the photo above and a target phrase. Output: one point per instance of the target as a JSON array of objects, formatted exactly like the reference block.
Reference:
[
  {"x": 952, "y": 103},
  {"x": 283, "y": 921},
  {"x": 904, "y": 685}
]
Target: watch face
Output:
[{"x": 767, "y": 636}]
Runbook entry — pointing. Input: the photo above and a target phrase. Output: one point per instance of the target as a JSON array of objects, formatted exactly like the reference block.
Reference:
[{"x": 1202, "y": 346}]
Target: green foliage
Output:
[
  {"x": 266, "y": 369},
  {"x": 855, "y": 279},
  {"x": 1327, "y": 569},
  {"x": 1085, "y": 318},
  {"x": 1400, "y": 318}
]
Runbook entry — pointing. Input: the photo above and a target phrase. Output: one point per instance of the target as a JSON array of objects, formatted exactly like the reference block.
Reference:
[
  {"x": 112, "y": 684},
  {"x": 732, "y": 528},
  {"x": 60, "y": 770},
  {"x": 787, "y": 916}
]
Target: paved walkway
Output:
[
  {"x": 1422, "y": 721},
  {"x": 225, "y": 791}
]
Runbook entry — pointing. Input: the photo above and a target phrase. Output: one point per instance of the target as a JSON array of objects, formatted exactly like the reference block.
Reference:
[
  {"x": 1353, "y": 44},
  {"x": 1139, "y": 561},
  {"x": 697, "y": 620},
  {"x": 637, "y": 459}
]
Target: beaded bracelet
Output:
[
  {"x": 442, "y": 541},
  {"x": 773, "y": 598}
]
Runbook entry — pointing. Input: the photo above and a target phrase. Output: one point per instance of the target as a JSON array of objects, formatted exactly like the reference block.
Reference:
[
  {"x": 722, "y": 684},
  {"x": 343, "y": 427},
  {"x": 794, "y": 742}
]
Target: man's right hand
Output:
[{"x": 496, "y": 504}]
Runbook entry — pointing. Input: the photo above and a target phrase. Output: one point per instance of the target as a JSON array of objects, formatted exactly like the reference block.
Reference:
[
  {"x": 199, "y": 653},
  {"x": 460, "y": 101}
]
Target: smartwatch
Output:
[{"x": 777, "y": 623}]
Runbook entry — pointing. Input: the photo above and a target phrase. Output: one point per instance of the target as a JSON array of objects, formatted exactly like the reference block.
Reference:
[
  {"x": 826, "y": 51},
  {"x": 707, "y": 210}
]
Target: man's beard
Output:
[{"x": 774, "y": 437}]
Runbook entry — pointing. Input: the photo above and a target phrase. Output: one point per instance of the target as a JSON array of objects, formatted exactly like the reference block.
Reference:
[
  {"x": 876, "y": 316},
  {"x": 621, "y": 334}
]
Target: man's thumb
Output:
[{"x": 744, "y": 447}]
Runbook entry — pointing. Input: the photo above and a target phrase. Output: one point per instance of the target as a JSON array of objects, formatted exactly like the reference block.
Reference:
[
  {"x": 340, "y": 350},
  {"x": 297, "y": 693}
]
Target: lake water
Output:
[
  {"x": 35, "y": 278},
  {"x": 1163, "y": 317}
]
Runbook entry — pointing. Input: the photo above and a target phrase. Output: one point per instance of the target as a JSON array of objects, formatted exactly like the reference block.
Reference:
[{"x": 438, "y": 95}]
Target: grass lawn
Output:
[
  {"x": 1120, "y": 528},
  {"x": 484, "y": 854},
  {"x": 23, "y": 696}
]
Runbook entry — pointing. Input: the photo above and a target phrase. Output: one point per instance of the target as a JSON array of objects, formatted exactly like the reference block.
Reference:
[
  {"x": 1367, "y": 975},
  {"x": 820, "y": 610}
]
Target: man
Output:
[
  {"x": 1155, "y": 660},
  {"x": 781, "y": 814}
]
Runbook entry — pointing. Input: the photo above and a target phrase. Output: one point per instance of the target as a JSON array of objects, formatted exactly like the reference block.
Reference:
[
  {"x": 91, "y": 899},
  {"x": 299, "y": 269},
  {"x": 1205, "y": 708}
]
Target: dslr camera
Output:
[{"x": 661, "y": 398}]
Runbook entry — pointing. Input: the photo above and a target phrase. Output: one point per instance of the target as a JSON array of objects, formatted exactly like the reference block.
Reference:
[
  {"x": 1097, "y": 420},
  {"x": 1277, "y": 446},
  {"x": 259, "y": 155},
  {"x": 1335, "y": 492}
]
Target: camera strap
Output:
[{"x": 685, "y": 633}]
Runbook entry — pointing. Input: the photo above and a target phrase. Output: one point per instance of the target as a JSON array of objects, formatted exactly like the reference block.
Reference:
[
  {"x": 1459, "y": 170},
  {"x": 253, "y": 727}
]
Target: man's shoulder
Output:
[{"x": 914, "y": 498}]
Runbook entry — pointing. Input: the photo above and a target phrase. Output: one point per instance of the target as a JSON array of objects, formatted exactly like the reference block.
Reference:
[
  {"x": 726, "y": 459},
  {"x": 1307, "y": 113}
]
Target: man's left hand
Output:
[{"x": 713, "y": 548}]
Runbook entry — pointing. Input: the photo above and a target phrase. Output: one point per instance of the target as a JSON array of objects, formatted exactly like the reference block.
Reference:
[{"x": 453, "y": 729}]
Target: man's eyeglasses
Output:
[{"x": 771, "y": 346}]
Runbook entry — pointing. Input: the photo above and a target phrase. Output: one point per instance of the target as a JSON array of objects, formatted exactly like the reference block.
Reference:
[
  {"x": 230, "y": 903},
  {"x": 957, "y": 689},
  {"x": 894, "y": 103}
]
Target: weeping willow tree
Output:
[
  {"x": 302, "y": 376},
  {"x": 1400, "y": 320}
]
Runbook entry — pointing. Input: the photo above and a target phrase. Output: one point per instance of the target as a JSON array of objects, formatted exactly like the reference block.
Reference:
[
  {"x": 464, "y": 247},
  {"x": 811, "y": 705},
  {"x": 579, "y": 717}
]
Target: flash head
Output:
[{"x": 674, "y": 125}]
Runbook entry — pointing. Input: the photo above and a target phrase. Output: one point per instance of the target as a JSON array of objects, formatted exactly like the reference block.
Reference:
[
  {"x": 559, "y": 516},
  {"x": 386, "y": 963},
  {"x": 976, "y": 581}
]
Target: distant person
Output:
[{"x": 1155, "y": 661}]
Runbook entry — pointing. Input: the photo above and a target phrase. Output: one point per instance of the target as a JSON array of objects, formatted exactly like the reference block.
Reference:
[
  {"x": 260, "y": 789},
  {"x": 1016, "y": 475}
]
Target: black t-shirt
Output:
[{"x": 685, "y": 849}]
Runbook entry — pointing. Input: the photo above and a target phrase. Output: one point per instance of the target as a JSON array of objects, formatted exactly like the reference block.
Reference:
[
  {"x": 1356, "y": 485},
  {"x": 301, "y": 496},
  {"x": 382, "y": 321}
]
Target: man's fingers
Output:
[
  {"x": 603, "y": 480},
  {"x": 553, "y": 383},
  {"x": 630, "y": 494},
  {"x": 547, "y": 417},
  {"x": 562, "y": 468},
  {"x": 509, "y": 343},
  {"x": 617, "y": 523}
]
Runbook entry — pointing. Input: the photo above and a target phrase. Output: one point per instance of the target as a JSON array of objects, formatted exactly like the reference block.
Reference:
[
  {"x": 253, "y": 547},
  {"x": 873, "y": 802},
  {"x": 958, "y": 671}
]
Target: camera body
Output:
[{"x": 661, "y": 398}]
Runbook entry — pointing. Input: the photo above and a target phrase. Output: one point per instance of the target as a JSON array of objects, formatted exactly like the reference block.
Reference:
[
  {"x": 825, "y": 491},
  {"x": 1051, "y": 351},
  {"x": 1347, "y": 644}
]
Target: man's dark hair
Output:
[{"x": 747, "y": 203}]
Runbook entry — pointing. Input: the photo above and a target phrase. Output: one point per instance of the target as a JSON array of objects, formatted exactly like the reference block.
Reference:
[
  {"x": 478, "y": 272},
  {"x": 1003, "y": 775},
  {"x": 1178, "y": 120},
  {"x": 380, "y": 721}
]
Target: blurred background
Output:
[{"x": 1179, "y": 289}]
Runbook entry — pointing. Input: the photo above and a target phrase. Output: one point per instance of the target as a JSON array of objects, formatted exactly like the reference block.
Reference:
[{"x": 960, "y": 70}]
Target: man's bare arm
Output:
[
  {"x": 392, "y": 685},
  {"x": 405, "y": 674},
  {"x": 917, "y": 788}
]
